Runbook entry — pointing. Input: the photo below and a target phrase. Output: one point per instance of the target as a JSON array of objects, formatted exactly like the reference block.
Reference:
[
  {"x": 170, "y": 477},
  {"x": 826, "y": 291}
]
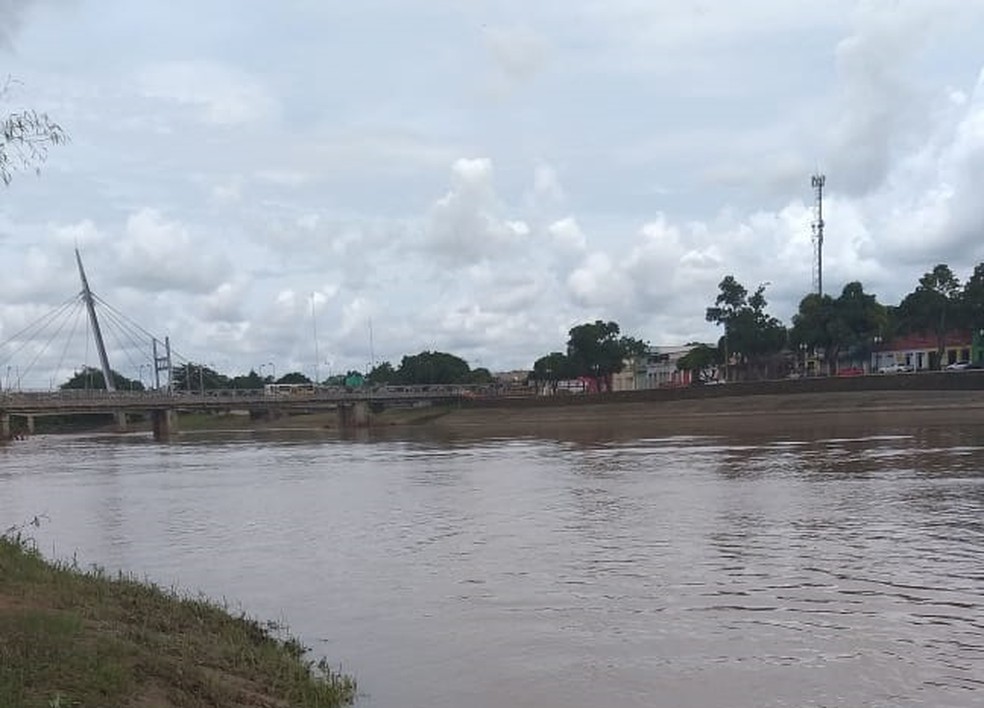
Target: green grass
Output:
[{"x": 81, "y": 638}]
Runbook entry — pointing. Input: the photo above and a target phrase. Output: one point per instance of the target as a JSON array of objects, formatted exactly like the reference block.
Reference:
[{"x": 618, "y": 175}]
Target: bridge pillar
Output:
[
  {"x": 164, "y": 422},
  {"x": 354, "y": 415},
  {"x": 4, "y": 426},
  {"x": 120, "y": 421},
  {"x": 30, "y": 425}
]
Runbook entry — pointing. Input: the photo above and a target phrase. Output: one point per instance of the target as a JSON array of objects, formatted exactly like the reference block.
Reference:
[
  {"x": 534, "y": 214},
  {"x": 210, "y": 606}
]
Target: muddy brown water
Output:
[{"x": 837, "y": 565}]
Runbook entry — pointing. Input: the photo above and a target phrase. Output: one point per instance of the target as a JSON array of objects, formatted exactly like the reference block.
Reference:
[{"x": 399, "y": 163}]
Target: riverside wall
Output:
[{"x": 970, "y": 380}]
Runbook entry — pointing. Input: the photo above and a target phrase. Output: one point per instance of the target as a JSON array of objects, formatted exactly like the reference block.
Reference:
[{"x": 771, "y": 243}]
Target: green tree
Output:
[
  {"x": 197, "y": 377},
  {"x": 596, "y": 350},
  {"x": 481, "y": 377},
  {"x": 433, "y": 368},
  {"x": 972, "y": 300},
  {"x": 845, "y": 327},
  {"x": 91, "y": 378},
  {"x": 552, "y": 368},
  {"x": 750, "y": 334},
  {"x": 293, "y": 377},
  {"x": 859, "y": 320},
  {"x": 25, "y": 137},
  {"x": 382, "y": 374},
  {"x": 934, "y": 307},
  {"x": 252, "y": 380},
  {"x": 701, "y": 360}
]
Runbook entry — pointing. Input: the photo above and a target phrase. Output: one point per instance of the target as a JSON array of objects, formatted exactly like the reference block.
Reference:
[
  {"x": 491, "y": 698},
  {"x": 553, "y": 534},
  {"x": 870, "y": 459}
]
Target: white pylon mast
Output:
[
  {"x": 818, "y": 181},
  {"x": 91, "y": 307}
]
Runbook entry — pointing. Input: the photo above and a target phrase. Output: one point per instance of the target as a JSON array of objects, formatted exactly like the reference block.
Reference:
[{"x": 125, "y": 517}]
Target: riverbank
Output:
[
  {"x": 621, "y": 417},
  {"x": 754, "y": 414},
  {"x": 84, "y": 639}
]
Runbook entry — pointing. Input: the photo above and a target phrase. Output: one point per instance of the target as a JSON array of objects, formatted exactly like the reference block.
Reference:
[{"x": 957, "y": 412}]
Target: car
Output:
[
  {"x": 851, "y": 371},
  {"x": 894, "y": 369},
  {"x": 957, "y": 366}
]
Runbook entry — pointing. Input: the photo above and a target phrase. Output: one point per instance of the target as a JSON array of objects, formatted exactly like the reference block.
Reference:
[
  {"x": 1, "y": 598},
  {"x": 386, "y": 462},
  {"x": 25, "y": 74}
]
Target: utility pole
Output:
[{"x": 90, "y": 305}]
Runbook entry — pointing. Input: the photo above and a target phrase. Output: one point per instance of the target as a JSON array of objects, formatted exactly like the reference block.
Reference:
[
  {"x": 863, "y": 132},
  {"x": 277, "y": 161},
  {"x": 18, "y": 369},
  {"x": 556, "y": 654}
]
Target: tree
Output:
[
  {"x": 750, "y": 335},
  {"x": 433, "y": 368},
  {"x": 596, "y": 350},
  {"x": 293, "y": 377},
  {"x": 845, "y": 326},
  {"x": 382, "y": 374},
  {"x": 92, "y": 379},
  {"x": 699, "y": 361},
  {"x": 198, "y": 377},
  {"x": 934, "y": 306},
  {"x": 481, "y": 377},
  {"x": 972, "y": 300},
  {"x": 552, "y": 368},
  {"x": 859, "y": 320},
  {"x": 25, "y": 137},
  {"x": 251, "y": 380},
  {"x": 813, "y": 326}
]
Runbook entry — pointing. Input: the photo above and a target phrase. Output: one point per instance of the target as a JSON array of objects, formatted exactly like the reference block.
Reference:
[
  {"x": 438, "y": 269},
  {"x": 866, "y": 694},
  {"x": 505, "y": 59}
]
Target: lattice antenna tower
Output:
[{"x": 818, "y": 182}]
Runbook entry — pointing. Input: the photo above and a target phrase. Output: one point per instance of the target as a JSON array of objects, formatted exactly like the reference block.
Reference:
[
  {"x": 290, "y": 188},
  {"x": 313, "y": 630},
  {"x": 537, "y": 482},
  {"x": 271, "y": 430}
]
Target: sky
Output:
[{"x": 315, "y": 185}]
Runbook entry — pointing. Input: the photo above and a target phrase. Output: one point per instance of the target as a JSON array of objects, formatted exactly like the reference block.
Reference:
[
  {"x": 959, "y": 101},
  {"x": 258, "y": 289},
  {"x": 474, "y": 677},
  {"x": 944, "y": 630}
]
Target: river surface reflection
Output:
[{"x": 687, "y": 571}]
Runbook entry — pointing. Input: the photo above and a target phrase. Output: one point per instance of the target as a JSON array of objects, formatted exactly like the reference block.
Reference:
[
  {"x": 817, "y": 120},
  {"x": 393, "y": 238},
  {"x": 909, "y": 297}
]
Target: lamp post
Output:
[{"x": 802, "y": 348}]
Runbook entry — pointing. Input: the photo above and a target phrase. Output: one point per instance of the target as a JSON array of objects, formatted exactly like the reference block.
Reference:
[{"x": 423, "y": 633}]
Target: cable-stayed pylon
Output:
[{"x": 97, "y": 333}]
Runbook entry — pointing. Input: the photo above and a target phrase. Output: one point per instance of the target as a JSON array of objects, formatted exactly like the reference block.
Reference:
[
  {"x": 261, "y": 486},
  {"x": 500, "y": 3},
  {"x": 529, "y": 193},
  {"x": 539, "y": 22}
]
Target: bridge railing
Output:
[{"x": 245, "y": 395}]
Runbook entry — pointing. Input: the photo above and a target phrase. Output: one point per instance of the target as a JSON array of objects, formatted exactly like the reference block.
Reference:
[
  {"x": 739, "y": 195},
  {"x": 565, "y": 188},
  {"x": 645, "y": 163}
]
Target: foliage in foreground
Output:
[{"x": 80, "y": 638}]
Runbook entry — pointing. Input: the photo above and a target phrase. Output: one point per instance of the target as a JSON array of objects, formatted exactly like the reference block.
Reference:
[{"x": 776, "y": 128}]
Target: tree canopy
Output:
[
  {"x": 845, "y": 327},
  {"x": 597, "y": 350},
  {"x": 91, "y": 378},
  {"x": 750, "y": 334},
  {"x": 433, "y": 368}
]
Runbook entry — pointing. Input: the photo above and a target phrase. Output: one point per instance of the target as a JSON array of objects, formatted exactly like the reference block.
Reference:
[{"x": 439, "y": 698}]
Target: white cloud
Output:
[
  {"x": 157, "y": 255},
  {"x": 225, "y": 96},
  {"x": 519, "y": 52},
  {"x": 635, "y": 154},
  {"x": 464, "y": 224}
]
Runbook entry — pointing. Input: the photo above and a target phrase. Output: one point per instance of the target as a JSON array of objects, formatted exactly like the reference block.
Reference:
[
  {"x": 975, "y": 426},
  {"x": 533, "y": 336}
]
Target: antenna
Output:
[
  {"x": 818, "y": 181},
  {"x": 317, "y": 355}
]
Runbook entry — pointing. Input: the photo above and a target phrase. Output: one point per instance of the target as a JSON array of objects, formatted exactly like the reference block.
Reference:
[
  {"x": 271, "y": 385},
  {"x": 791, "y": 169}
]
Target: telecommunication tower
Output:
[{"x": 818, "y": 181}]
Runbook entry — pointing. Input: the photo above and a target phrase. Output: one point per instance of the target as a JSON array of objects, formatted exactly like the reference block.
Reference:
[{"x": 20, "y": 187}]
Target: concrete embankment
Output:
[{"x": 838, "y": 405}]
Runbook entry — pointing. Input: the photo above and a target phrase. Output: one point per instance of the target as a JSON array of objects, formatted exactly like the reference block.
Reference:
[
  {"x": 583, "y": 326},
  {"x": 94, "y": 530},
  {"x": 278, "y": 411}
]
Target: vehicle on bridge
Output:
[{"x": 289, "y": 389}]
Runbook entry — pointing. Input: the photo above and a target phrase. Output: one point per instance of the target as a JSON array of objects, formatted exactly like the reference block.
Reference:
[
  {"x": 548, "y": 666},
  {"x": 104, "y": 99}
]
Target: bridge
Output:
[
  {"x": 354, "y": 406},
  {"x": 168, "y": 395}
]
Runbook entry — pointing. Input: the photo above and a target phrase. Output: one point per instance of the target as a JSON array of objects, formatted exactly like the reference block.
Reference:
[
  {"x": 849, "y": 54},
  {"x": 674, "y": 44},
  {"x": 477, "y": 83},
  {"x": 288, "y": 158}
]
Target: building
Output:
[
  {"x": 655, "y": 369},
  {"x": 919, "y": 352}
]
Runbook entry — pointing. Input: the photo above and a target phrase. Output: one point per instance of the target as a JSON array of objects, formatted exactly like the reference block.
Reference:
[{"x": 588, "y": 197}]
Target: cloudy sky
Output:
[{"x": 261, "y": 181}]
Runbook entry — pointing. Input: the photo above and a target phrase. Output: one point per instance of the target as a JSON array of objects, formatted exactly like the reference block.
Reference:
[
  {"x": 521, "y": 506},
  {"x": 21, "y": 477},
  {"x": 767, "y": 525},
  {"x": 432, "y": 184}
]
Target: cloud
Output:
[
  {"x": 519, "y": 52},
  {"x": 464, "y": 225},
  {"x": 157, "y": 255},
  {"x": 12, "y": 14},
  {"x": 224, "y": 96}
]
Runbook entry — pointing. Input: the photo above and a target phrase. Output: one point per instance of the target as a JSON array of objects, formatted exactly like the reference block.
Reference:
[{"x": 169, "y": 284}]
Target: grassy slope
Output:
[{"x": 72, "y": 638}]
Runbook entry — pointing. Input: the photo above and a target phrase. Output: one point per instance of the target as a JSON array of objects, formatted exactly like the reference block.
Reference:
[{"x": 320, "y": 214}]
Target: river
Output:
[{"x": 683, "y": 571}]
